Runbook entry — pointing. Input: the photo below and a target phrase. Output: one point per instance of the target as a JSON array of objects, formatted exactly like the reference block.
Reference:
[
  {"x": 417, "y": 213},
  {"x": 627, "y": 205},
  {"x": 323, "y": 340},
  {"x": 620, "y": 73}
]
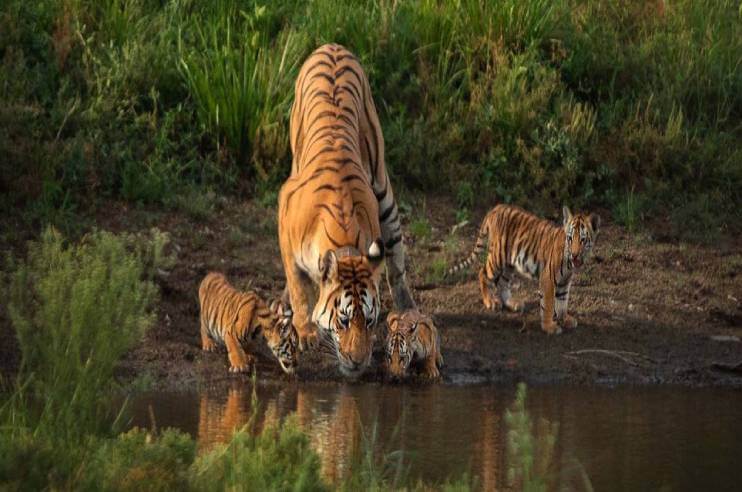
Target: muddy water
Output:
[{"x": 620, "y": 438}]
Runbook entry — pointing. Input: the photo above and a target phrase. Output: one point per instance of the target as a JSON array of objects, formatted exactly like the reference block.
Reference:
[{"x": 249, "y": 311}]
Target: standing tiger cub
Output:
[
  {"x": 337, "y": 218},
  {"x": 412, "y": 338},
  {"x": 229, "y": 317},
  {"x": 518, "y": 241}
]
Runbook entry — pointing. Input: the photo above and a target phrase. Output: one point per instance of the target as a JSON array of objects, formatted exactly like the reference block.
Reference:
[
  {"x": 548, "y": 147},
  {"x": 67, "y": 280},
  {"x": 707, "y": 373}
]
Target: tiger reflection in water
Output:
[{"x": 334, "y": 434}]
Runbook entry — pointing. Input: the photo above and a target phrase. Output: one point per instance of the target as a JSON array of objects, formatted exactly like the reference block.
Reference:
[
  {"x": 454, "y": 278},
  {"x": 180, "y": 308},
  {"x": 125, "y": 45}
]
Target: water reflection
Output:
[{"x": 624, "y": 438}]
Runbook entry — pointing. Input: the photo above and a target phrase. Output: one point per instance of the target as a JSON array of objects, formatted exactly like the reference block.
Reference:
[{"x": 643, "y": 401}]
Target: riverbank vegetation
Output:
[
  {"x": 76, "y": 309},
  {"x": 633, "y": 106}
]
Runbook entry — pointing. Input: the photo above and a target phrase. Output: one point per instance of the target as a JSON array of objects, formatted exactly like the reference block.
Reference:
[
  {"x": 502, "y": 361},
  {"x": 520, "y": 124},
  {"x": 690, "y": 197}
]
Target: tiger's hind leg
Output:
[
  {"x": 503, "y": 289},
  {"x": 391, "y": 234},
  {"x": 486, "y": 283}
]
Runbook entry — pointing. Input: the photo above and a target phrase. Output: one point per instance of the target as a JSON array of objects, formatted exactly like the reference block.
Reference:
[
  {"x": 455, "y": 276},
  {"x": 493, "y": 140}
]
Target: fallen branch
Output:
[{"x": 622, "y": 355}]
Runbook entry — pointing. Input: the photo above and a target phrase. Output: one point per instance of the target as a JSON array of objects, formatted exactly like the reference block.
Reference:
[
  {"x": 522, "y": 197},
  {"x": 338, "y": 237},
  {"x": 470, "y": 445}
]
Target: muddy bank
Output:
[{"x": 649, "y": 312}]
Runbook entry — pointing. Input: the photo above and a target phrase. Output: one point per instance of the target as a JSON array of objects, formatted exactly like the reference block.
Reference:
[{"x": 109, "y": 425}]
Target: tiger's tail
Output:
[{"x": 480, "y": 245}]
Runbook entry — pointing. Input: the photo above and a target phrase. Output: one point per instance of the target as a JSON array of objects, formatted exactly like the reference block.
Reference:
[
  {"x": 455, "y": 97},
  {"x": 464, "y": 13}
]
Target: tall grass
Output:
[
  {"x": 536, "y": 102},
  {"x": 242, "y": 83}
]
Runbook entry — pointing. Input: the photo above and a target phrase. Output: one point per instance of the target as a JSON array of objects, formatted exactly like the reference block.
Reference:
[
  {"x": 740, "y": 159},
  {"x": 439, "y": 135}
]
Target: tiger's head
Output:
[
  {"x": 581, "y": 232},
  {"x": 348, "y": 304},
  {"x": 401, "y": 336},
  {"x": 282, "y": 338}
]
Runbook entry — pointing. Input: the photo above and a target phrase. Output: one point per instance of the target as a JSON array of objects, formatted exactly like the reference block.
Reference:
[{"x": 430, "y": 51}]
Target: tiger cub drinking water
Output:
[
  {"x": 229, "y": 317},
  {"x": 518, "y": 241},
  {"x": 412, "y": 337}
]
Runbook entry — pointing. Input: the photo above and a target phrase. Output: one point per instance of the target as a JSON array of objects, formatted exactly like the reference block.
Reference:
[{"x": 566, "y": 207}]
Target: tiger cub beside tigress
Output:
[
  {"x": 412, "y": 337},
  {"x": 537, "y": 249},
  {"x": 229, "y": 317}
]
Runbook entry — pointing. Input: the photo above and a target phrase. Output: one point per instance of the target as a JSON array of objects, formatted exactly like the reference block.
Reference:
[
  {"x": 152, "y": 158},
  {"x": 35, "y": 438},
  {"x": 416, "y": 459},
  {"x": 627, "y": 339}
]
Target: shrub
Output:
[
  {"x": 76, "y": 310},
  {"x": 276, "y": 459}
]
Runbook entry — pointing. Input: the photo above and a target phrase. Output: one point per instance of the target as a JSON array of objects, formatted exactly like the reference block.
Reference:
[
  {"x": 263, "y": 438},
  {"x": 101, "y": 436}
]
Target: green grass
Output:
[{"x": 536, "y": 102}]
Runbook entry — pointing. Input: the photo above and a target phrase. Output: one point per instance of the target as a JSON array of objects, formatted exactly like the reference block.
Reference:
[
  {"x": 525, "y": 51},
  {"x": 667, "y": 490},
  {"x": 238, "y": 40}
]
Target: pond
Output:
[{"x": 624, "y": 438}]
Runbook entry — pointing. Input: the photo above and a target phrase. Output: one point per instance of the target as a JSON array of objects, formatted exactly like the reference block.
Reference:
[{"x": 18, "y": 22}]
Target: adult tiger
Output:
[
  {"x": 518, "y": 241},
  {"x": 337, "y": 216}
]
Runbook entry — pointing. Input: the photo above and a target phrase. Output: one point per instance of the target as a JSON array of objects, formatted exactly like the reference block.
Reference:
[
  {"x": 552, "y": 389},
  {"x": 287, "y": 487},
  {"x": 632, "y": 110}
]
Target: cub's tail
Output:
[{"x": 480, "y": 245}]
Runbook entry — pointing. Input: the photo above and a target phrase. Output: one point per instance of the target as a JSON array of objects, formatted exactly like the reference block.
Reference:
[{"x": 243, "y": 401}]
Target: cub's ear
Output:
[
  {"x": 328, "y": 265},
  {"x": 595, "y": 222},
  {"x": 566, "y": 215},
  {"x": 376, "y": 252},
  {"x": 413, "y": 330},
  {"x": 392, "y": 319}
]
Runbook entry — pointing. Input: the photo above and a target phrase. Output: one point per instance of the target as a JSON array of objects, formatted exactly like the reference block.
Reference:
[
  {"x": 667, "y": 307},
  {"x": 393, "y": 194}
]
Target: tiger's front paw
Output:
[
  {"x": 308, "y": 337},
  {"x": 239, "y": 365},
  {"x": 491, "y": 303},
  {"x": 551, "y": 328},
  {"x": 569, "y": 322},
  {"x": 208, "y": 345},
  {"x": 431, "y": 371},
  {"x": 513, "y": 306}
]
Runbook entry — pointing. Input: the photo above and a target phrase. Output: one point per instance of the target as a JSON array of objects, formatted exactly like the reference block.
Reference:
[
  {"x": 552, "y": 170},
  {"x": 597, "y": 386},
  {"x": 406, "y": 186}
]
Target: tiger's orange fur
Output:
[
  {"x": 337, "y": 215},
  {"x": 229, "y": 317},
  {"x": 518, "y": 241},
  {"x": 412, "y": 337}
]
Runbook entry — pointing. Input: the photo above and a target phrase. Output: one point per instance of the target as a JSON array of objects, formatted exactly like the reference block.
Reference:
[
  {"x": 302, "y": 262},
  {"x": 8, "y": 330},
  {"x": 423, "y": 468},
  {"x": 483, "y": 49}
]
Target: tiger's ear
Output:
[
  {"x": 392, "y": 319},
  {"x": 595, "y": 222},
  {"x": 376, "y": 252},
  {"x": 328, "y": 265},
  {"x": 413, "y": 330},
  {"x": 566, "y": 215}
]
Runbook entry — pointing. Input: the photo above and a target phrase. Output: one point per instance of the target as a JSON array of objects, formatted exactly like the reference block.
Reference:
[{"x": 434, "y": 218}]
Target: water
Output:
[{"x": 647, "y": 438}]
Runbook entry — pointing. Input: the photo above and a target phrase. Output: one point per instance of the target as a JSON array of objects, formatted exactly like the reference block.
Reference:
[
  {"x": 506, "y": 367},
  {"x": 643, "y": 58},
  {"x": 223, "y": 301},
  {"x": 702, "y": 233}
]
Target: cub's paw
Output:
[
  {"x": 569, "y": 322},
  {"x": 208, "y": 346},
  {"x": 551, "y": 328},
  {"x": 513, "y": 307},
  {"x": 308, "y": 337},
  {"x": 491, "y": 303}
]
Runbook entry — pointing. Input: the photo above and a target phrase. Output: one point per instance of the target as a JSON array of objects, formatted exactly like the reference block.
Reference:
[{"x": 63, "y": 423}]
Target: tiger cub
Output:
[
  {"x": 518, "y": 241},
  {"x": 412, "y": 337},
  {"x": 229, "y": 317}
]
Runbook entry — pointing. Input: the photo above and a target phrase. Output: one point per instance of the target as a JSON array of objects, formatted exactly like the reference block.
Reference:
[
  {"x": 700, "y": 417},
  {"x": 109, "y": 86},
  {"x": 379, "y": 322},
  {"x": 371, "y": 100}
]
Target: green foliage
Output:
[
  {"x": 276, "y": 459},
  {"x": 530, "y": 450},
  {"x": 242, "y": 83},
  {"x": 420, "y": 229},
  {"x": 530, "y": 101},
  {"x": 138, "y": 460},
  {"x": 76, "y": 310}
]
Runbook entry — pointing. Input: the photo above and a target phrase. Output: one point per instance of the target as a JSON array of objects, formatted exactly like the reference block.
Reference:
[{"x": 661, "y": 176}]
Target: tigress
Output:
[
  {"x": 337, "y": 217},
  {"x": 229, "y": 317},
  {"x": 535, "y": 248},
  {"x": 412, "y": 337}
]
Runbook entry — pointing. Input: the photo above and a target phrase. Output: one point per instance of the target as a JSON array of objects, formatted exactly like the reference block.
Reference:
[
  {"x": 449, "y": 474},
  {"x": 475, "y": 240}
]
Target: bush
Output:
[
  {"x": 76, "y": 310},
  {"x": 276, "y": 459}
]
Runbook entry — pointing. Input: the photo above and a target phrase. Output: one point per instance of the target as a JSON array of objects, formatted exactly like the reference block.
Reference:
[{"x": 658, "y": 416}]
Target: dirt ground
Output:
[{"x": 648, "y": 311}]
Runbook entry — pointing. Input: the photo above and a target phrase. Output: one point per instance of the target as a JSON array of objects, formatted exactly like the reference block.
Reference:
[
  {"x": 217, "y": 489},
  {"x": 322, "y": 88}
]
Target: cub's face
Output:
[
  {"x": 282, "y": 338},
  {"x": 399, "y": 350},
  {"x": 581, "y": 232},
  {"x": 348, "y": 306}
]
